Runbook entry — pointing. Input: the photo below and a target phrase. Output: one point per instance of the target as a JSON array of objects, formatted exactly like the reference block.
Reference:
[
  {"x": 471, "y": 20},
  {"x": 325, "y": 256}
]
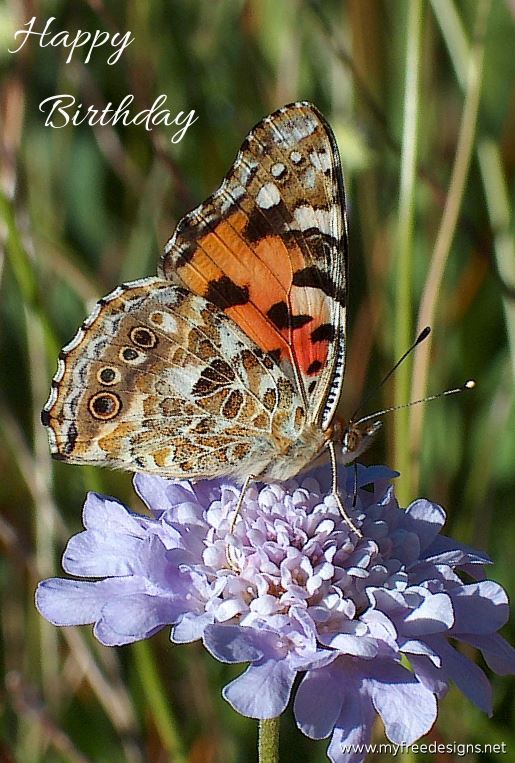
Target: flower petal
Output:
[
  {"x": 433, "y": 615},
  {"x": 353, "y": 727},
  {"x": 191, "y": 627},
  {"x": 73, "y": 602},
  {"x": 467, "y": 676},
  {"x": 444, "y": 550},
  {"x": 263, "y": 691},
  {"x": 318, "y": 703},
  {"x": 480, "y": 607},
  {"x": 428, "y": 519},
  {"x": 110, "y": 543},
  {"x": 159, "y": 494},
  {"x": 131, "y": 618},
  {"x": 359, "y": 646},
  {"x": 231, "y": 643},
  {"x": 429, "y": 674},
  {"x": 407, "y": 708}
]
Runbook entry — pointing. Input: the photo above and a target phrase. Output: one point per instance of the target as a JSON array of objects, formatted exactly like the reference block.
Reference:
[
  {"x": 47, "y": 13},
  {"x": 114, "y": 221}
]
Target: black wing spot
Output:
[
  {"x": 315, "y": 278},
  {"x": 107, "y": 376},
  {"x": 314, "y": 367},
  {"x": 278, "y": 314},
  {"x": 45, "y": 417},
  {"x": 324, "y": 333},
  {"x": 225, "y": 293},
  {"x": 143, "y": 337},
  {"x": 215, "y": 376},
  {"x": 298, "y": 321},
  {"x": 282, "y": 318},
  {"x": 270, "y": 222},
  {"x": 103, "y": 406},
  {"x": 129, "y": 354}
]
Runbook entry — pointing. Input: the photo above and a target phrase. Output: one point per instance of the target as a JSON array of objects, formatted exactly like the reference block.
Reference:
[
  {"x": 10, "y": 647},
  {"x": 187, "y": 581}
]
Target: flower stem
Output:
[
  {"x": 403, "y": 319},
  {"x": 268, "y": 740}
]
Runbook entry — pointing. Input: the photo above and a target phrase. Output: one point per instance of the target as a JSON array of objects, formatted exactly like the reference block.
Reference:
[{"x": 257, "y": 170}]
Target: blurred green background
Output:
[{"x": 418, "y": 94}]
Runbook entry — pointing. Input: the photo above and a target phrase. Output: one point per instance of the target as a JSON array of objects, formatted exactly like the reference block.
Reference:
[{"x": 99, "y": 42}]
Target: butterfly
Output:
[{"x": 230, "y": 362}]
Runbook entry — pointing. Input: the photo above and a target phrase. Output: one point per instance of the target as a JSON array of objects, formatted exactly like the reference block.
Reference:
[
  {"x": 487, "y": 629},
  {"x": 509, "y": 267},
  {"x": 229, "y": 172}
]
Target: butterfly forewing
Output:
[{"x": 269, "y": 247}]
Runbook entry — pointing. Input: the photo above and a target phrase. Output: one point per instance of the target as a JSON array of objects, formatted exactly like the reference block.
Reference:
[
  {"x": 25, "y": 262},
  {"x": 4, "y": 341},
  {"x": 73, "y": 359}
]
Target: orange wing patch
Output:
[{"x": 261, "y": 306}]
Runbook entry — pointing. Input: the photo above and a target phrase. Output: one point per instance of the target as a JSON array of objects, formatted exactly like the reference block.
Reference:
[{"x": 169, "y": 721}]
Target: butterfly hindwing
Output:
[
  {"x": 160, "y": 380},
  {"x": 269, "y": 248}
]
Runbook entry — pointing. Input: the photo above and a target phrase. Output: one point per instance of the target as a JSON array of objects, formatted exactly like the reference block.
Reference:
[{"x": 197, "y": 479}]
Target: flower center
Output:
[{"x": 288, "y": 549}]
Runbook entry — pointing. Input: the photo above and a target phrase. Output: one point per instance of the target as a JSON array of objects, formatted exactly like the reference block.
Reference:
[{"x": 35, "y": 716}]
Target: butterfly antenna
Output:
[
  {"x": 420, "y": 338},
  {"x": 470, "y": 384}
]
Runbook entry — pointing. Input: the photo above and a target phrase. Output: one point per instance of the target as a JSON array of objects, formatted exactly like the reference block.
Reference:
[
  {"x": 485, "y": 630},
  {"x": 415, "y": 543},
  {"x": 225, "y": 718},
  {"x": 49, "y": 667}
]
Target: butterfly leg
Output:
[
  {"x": 248, "y": 479},
  {"x": 355, "y": 486},
  {"x": 334, "y": 491}
]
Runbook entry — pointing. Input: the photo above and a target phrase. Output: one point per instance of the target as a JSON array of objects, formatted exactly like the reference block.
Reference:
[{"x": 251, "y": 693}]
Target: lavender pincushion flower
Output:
[{"x": 302, "y": 594}]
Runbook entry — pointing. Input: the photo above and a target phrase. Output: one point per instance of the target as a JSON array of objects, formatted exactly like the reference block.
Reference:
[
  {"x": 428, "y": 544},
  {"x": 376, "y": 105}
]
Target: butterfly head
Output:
[{"x": 356, "y": 436}]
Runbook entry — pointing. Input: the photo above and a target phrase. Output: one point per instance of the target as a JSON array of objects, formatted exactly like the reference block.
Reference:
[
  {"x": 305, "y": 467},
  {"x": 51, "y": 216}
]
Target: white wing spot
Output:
[
  {"x": 277, "y": 169},
  {"x": 243, "y": 169},
  {"x": 305, "y": 217},
  {"x": 268, "y": 196},
  {"x": 295, "y": 129},
  {"x": 309, "y": 178},
  {"x": 320, "y": 161},
  {"x": 296, "y": 157}
]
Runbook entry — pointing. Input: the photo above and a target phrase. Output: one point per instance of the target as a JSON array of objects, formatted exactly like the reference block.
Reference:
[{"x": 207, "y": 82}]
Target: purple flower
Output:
[{"x": 293, "y": 590}]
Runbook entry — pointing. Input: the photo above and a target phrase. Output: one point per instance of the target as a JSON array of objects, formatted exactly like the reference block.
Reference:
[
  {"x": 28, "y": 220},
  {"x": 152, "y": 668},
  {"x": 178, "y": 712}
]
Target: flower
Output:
[{"x": 292, "y": 589}]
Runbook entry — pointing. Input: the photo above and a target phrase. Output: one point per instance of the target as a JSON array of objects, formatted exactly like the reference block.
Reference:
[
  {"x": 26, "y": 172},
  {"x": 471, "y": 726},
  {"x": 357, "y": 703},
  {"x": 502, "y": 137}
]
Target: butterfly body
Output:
[{"x": 230, "y": 362}]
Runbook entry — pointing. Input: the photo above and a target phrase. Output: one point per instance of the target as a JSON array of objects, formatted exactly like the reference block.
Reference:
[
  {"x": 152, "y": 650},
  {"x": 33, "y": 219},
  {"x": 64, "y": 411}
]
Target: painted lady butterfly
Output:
[{"x": 231, "y": 361}]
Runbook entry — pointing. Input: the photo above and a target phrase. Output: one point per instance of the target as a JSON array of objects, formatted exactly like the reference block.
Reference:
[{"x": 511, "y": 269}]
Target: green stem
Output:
[
  {"x": 268, "y": 740},
  {"x": 455, "y": 38},
  {"x": 403, "y": 319},
  {"x": 156, "y": 699},
  {"x": 442, "y": 248}
]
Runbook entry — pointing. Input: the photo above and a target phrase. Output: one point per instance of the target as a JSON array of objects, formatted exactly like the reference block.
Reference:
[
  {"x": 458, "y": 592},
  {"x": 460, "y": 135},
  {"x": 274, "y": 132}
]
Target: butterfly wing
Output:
[
  {"x": 160, "y": 380},
  {"x": 269, "y": 248}
]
